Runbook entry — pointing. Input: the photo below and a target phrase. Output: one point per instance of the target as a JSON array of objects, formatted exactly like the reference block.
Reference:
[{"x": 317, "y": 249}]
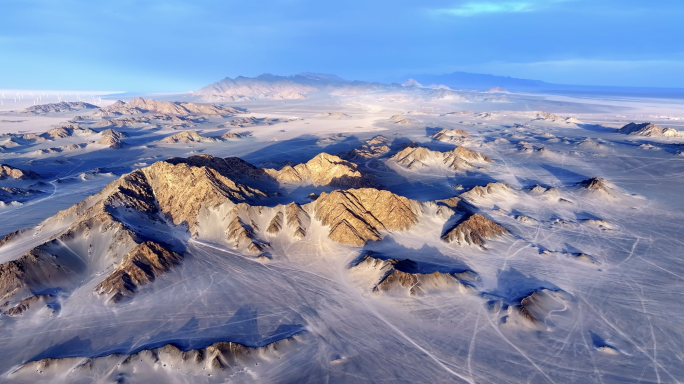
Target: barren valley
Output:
[{"x": 308, "y": 229}]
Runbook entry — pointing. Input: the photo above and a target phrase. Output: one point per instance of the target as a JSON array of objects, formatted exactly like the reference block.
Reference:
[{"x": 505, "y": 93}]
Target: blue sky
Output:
[{"x": 173, "y": 45}]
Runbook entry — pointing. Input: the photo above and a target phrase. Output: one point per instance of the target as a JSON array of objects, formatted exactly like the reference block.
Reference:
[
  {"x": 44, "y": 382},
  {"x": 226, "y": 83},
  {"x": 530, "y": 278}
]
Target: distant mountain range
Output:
[
  {"x": 268, "y": 86},
  {"x": 482, "y": 82},
  {"x": 479, "y": 82}
]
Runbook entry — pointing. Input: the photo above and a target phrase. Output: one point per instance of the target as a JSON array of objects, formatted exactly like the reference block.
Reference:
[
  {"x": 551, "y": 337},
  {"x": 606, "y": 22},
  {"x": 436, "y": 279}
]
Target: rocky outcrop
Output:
[
  {"x": 595, "y": 184},
  {"x": 140, "y": 266},
  {"x": 324, "y": 169},
  {"x": 598, "y": 187},
  {"x": 33, "y": 136},
  {"x": 187, "y": 137},
  {"x": 125, "y": 121},
  {"x": 234, "y": 135},
  {"x": 36, "y": 270},
  {"x": 415, "y": 157},
  {"x": 113, "y": 132},
  {"x": 64, "y": 106},
  {"x": 375, "y": 147},
  {"x": 140, "y": 105},
  {"x": 71, "y": 147},
  {"x": 25, "y": 305},
  {"x": 649, "y": 130},
  {"x": 66, "y": 130},
  {"x": 534, "y": 309},
  {"x": 469, "y": 155},
  {"x": 399, "y": 119},
  {"x": 458, "y": 159},
  {"x": 243, "y": 236},
  {"x": 265, "y": 86},
  {"x": 178, "y": 192},
  {"x": 450, "y": 135},
  {"x": 182, "y": 190},
  {"x": 249, "y": 121},
  {"x": 588, "y": 143},
  {"x": 297, "y": 219},
  {"x": 473, "y": 230},
  {"x": 9, "y": 194},
  {"x": 9, "y": 172},
  {"x": 497, "y": 190},
  {"x": 408, "y": 276},
  {"x": 230, "y": 167},
  {"x": 118, "y": 108},
  {"x": 356, "y": 216},
  {"x": 111, "y": 141},
  {"x": 546, "y": 116},
  {"x": 276, "y": 224},
  {"x": 219, "y": 358},
  {"x": 59, "y": 133},
  {"x": 112, "y": 138}
]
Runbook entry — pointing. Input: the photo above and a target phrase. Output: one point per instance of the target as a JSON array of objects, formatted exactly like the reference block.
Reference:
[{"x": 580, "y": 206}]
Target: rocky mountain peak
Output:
[
  {"x": 356, "y": 216},
  {"x": 475, "y": 229}
]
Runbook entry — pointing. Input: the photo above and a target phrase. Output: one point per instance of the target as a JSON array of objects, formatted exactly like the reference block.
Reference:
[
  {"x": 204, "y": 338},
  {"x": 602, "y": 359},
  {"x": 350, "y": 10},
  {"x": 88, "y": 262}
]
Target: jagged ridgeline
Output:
[
  {"x": 148, "y": 364},
  {"x": 122, "y": 233}
]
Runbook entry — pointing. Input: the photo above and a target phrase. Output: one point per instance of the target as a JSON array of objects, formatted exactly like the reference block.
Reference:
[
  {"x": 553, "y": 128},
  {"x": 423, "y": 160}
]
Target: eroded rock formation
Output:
[
  {"x": 140, "y": 105},
  {"x": 458, "y": 159},
  {"x": 324, "y": 169},
  {"x": 404, "y": 275},
  {"x": 139, "y": 267},
  {"x": 474, "y": 230},
  {"x": 9, "y": 172},
  {"x": 356, "y": 216}
]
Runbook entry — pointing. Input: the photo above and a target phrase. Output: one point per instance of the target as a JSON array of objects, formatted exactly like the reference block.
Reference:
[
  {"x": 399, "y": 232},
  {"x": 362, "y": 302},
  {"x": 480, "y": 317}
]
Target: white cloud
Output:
[{"x": 476, "y": 8}]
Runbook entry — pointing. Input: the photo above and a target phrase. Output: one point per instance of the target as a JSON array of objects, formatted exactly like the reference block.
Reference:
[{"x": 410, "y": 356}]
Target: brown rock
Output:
[
  {"x": 188, "y": 137},
  {"x": 457, "y": 159},
  {"x": 490, "y": 189},
  {"x": 182, "y": 190},
  {"x": 450, "y": 135},
  {"x": 140, "y": 266},
  {"x": 7, "y": 171},
  {"x": 408, "y": 276},
  {"x": 140, "y": 105},
  {"x": 473, "y": 230},
  {"x": 324, "y": 169},
  {"x": 276, "y": 224},
  {"x": 25, "y": 305},
  {"x": 595, "y": 184},
  {"x": 356, "y": 216},
  {"x": 243, "y": 236},
  {"x": 298, "y": 219}
]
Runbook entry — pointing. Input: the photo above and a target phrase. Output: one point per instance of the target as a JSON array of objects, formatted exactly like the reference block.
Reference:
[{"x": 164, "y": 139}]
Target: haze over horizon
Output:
[{"x": 174, "y": 46}]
